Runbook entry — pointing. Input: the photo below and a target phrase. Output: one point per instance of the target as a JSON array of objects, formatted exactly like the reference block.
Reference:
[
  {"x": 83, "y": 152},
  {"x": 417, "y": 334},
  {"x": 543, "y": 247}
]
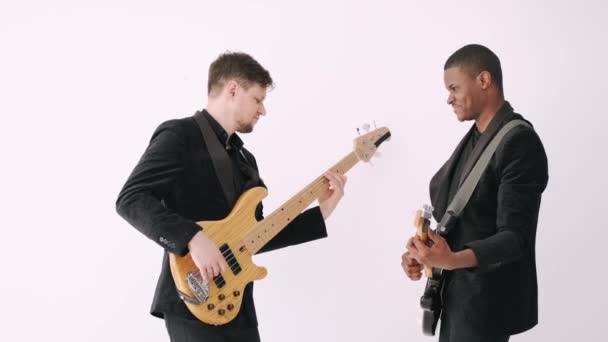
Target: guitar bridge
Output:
[{"x": 198, "y": 286}]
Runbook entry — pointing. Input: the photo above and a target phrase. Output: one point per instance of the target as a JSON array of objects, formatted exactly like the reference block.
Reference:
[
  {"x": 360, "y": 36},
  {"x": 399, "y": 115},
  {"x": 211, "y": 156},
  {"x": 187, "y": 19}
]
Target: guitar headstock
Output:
[{"x": 367, "y": 144}]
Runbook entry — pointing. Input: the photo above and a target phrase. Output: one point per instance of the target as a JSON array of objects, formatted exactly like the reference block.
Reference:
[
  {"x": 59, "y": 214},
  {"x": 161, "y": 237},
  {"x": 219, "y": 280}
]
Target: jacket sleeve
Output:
[
  {"x": 140, "y": 201},
  {"x": 307, "y": 226},
  {"x": 521, "y": 165}
]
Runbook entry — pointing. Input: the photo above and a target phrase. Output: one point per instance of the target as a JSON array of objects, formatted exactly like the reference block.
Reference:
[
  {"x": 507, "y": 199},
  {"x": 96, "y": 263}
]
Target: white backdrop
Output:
[{"x": 84, "y": 84}]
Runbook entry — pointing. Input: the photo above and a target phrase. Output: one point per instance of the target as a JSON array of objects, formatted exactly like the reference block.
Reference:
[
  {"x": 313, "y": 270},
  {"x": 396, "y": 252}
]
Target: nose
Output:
[
  {"x": 262, "y": 109},
  {"x": 450, "y": 99}
]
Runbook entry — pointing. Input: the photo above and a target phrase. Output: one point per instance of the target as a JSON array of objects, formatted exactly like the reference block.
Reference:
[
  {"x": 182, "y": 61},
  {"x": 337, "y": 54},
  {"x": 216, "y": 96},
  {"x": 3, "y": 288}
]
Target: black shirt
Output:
[
  {"x": 245, "y": 176},
  {"x": 462, "y": 160}
]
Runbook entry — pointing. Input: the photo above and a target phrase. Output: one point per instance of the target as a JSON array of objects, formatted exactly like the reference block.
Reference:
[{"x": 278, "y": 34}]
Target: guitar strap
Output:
[
  {"x": 463, "y": 195},
  {"x": 219, "y": 158},
  {"x": 223, "y": 169}
]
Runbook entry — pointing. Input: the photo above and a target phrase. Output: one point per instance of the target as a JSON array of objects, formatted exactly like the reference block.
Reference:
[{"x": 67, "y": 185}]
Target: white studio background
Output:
[{"x": 83, "y": 84}]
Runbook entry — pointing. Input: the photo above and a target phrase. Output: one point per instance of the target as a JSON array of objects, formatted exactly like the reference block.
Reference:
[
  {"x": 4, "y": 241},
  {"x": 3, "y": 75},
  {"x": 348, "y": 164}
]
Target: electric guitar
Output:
[
  {"x": 239, "y": 236},
  {"x": 431, "y": 299}
]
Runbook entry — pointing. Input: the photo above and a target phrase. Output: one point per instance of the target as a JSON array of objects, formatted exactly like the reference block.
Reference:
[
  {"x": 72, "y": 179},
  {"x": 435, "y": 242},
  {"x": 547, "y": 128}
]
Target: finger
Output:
[
  {"x": 407, "y": 270},
  {"x": 414, "y": 268},
  {"x": 203, "y": 272},
  {"x": 335, "y": 180},
  {"x": 420, "y": 246},
  {"x": 410, "y": 268},
  {"x": 339, "y": 180},
  {"x": 329, "y": 176},
  {"x": 417, "y": 276},
  {"x": 410, "y": 244},
  {"x": 414, "y": 275},
  {"x": 215, "y": 267},
  {"x": 406, "y": 263},
  {"x": 414, "y": 254},
  {"x": 331, "y": 180},
  {"x": 209, "y": 271},
  {"x": 407, "y": 259},
  {"x": 208, "y": 274},
  {"x": 411, "y": 261},
  {"x": 423, "y": 253},
  {"x": 434, "y": 236}
]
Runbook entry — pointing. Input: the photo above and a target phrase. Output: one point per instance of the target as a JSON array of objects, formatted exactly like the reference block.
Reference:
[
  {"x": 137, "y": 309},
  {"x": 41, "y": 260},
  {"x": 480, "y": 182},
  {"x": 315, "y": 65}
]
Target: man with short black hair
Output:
[{"x": 490, "y": 287}]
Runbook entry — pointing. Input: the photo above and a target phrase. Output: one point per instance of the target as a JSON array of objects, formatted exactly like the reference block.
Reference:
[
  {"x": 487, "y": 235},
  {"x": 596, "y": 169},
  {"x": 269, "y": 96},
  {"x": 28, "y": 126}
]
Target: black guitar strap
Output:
[{"x": 219, "y": 157}]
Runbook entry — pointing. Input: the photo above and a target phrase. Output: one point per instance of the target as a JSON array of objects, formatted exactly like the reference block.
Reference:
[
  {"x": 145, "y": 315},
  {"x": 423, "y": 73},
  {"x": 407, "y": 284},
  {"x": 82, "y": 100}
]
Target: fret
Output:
[{"x": 267, "y": 229}]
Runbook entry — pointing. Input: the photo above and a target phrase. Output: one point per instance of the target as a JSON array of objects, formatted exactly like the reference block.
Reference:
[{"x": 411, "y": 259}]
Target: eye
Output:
[{"x": 258, "y": 101}]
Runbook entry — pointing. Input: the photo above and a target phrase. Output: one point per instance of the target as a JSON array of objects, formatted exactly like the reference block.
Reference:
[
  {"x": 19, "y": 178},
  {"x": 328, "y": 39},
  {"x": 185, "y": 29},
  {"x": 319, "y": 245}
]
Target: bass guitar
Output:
[{"x": 239, "y": 236}]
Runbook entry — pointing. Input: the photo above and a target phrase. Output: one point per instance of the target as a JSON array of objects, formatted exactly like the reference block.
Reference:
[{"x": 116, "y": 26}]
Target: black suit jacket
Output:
[
  {"x": 174, "y": 185},
  {"x": 499, "y": 296}
]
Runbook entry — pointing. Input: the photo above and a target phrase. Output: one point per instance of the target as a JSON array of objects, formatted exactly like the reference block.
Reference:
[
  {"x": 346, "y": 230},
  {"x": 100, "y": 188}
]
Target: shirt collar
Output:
[{"x": 232, "y": 142}]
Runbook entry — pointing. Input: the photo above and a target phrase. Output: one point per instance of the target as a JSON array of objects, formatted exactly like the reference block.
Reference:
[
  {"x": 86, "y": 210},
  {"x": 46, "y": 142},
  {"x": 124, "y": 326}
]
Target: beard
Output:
[{"x": 245, "y": 127}]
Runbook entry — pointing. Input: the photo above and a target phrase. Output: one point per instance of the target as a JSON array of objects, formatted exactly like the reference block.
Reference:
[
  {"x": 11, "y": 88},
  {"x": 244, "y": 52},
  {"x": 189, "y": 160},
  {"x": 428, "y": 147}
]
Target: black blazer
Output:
[
  {"x": 174, "y": 185},
  {"x": 499, "y": 296}
]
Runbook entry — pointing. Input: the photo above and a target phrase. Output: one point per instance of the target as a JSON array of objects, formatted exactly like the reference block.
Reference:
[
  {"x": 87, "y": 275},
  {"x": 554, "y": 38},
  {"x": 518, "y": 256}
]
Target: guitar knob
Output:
[
  {"x": 237, "y": 293},
  {"x": 230, "y": 306},
  {"x": 221, "y": 312},
  {"x": 222, "y": 297},
  {"x": 426, "y": 302},
  {"x": 210, "y": 306}
]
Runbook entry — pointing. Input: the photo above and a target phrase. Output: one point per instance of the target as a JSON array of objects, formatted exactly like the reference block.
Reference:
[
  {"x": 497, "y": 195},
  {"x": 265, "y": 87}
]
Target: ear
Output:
[
  {"x": 231, "y": 88},
  {"x": 485, "y": 80}
]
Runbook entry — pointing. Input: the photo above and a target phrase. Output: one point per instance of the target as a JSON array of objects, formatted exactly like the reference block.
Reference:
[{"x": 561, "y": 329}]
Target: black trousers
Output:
[
  {"x": 455, "y": 328},
  {"x": 185, "y": 330}
]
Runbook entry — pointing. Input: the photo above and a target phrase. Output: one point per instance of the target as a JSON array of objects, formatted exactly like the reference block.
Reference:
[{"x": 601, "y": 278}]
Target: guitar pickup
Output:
[
  {"x": 230, "y": 259},
  {"x": 219, "y": 281}
]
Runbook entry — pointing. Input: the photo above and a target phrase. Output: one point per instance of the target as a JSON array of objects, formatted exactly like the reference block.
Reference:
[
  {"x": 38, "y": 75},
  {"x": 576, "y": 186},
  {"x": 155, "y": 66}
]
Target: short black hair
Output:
[
  {"x": 475, "y": 58},
  {"x": 238, "y": 66}
]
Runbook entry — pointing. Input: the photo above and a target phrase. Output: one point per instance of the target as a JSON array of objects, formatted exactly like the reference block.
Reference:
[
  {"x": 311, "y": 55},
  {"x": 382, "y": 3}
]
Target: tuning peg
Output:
[
  {"x": 375, "y": 124},
  {"x": 366, "y": 127}
]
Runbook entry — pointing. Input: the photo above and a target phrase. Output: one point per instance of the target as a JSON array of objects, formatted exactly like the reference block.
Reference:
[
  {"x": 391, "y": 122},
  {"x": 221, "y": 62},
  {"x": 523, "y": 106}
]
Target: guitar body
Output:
[
  {"x": 223, "y": 298},
  {"x": 430, "y": 302}
]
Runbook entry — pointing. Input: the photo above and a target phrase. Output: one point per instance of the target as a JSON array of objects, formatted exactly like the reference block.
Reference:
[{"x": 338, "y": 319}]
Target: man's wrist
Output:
[
  {"x": 462, "y": 259},
  {"x": 194, "y": 237}
]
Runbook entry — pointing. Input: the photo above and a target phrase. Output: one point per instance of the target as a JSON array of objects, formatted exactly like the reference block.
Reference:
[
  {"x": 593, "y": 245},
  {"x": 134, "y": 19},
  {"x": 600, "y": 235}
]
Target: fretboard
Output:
[{"x": 268, "y": 228}]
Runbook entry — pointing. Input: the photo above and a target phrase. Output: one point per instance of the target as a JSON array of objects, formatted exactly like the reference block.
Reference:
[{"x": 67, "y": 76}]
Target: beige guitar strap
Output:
[{"x": 463, "y": 195}]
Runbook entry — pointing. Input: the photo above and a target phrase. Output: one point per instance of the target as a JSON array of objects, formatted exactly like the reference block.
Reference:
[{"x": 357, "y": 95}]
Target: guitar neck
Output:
[{"x": 268, "y": 228}]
